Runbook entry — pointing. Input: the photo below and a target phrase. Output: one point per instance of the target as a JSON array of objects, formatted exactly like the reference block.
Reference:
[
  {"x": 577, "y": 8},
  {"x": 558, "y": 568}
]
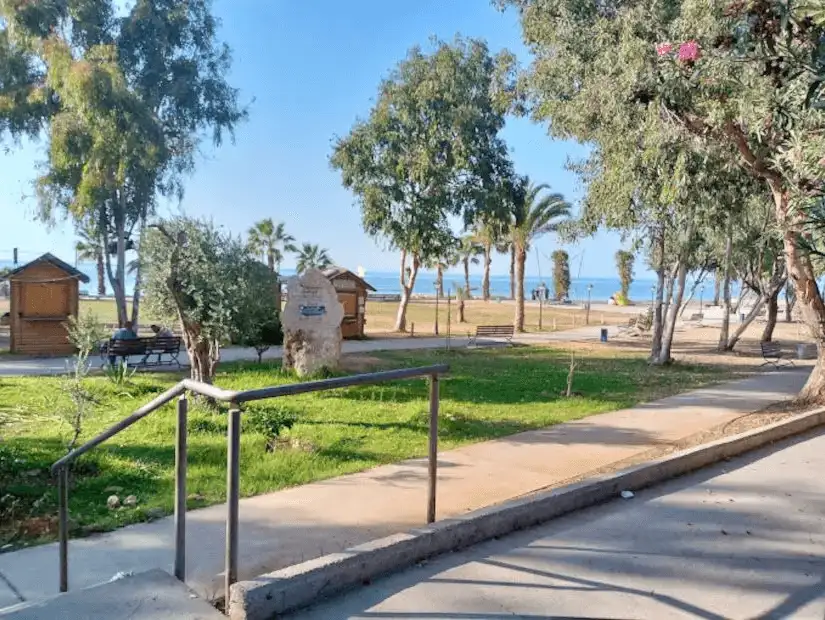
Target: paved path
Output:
[
  {"x": 745, "y": 539},
  {"x": 301, "y": 523},
  {"x": 15, "y": 366}
]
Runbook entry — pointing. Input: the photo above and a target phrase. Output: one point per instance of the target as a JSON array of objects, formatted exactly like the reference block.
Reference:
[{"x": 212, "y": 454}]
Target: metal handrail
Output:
[{"x": 179, "y": 390}]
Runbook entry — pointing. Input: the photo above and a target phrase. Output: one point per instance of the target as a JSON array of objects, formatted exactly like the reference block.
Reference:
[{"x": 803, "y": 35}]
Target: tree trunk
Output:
[
  {"x": 407, "y": 285},
  {"x": 717, "y": 288},
  {"x": 439, "y": 280},
  {"x": 203, "y": 357},
  {"x": 790, "y": 301},
  {"x": 120, "y": 269},
  {"x": 467, "y": 293},
  {"x": 101, "y": 275},
  {"x": 461, "y": 311},
  {"x": 512, "y": 271},
  {"x": 520, "y": 261},
  {"x": 724, "y": 331},
  {"x": 485, "y": 282},
  {"x": 270, "y": 259},
  {"x": 773, "y": 312},
  {"x": 737, "y": 334},
  {"x": 658, "y": 314},
  {"x": 803, "y": 276},
  {"x": 673, "y": 314},
  {"x": 136, "y": 293}
]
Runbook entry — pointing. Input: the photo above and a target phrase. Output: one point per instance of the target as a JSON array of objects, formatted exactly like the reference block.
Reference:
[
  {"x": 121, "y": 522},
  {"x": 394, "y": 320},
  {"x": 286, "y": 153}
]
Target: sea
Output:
[{"x": 387, "y": 283}]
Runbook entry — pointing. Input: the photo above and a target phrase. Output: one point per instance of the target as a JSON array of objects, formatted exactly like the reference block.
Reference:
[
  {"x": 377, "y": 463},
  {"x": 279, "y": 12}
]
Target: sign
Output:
[{"x": 312, "y": 310}]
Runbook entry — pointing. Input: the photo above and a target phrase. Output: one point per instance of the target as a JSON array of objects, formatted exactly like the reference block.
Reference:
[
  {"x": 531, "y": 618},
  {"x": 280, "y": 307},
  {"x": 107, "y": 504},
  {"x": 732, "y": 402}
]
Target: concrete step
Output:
[{"x": 153, "y": 595}]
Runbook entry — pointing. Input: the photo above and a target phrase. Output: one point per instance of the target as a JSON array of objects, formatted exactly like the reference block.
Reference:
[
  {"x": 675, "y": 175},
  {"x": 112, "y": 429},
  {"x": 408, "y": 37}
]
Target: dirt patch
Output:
[{"x": 361, "y": 363}]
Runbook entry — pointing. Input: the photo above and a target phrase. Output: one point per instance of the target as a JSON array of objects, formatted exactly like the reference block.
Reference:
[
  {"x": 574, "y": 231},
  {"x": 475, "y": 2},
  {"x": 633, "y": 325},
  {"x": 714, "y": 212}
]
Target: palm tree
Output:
[
  {"x": 533, "y": 215},
  {"x": 468, "y": 252},
  {"x": 270, "y": 241},
  {"x": 488, "y": 235},
  {"x": 312, "y": 257},
  {"x": 90, "y": 248}
]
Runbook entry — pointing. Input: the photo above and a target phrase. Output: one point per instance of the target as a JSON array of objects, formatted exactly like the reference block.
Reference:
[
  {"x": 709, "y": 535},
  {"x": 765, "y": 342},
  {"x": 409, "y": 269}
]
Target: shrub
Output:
[{"x": 269, "y": 422}]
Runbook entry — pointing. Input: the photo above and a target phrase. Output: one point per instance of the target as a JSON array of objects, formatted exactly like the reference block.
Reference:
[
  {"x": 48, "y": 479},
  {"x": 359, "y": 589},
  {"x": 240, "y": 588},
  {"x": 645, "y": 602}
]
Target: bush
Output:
[
  {"x": 621, "y": 299},
  {"x": 269, "y": 422}
]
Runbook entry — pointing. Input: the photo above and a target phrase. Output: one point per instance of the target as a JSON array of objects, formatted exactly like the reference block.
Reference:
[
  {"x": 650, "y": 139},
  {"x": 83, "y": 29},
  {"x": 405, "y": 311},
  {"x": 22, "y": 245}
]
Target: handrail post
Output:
[
  {"x": 233, "y": 493},
  {"x": 180, "y": 488},
  {"x": 433, "y": 448},
  {"x": 63, "y": 502}
]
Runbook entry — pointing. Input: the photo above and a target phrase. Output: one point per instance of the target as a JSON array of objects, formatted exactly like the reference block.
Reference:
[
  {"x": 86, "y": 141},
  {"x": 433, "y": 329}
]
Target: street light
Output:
[
  {"x": 587, "y": 316},
  {"x": 437, "y": 290},
  {"x": 653, "y": 295},
  {"x": 542, "y": 290},
  {"x": 701, "y": 297}
]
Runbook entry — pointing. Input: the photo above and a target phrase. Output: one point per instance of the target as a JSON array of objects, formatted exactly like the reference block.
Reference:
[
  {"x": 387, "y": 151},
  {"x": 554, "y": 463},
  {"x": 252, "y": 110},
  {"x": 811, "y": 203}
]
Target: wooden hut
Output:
[
  {"x": 352, "y": 293},
  {"x": 44, "y": 294}
]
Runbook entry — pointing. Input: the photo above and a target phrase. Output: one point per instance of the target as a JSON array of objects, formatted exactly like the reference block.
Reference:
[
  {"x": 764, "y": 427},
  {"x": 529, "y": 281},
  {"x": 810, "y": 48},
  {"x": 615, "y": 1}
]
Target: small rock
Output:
[
  {"x": 155, "y": 513},
  {"x": 748, "y": 532},
  {"x": 112, "y": 489},
  {"x": 627, "y": 494},
  {"x": 724, "y": 533},
  {"x": 120, "y": 575},
  {"x": 130, "y": 501},
  {"x": 113, "y": 502},
  {"x": 4, "y": 547}
]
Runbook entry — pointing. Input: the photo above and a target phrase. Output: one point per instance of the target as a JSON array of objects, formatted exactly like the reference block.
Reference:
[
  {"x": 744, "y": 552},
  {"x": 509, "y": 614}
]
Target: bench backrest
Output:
[
  {"x": 164, "y": 344},
  {"x": 495, "y": 330},
  {"x": 771, "y": 349},
  {"x": 127, "y": 347}
]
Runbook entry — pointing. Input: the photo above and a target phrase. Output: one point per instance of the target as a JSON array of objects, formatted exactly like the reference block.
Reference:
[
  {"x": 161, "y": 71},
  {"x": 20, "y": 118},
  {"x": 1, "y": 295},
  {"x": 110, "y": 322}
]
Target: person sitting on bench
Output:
[
  {"x": 122, "y": 333},
  {"x": 162, "y": 332}
]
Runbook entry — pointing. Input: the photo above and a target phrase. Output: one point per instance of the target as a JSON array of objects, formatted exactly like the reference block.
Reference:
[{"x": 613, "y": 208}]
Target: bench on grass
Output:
[
  {"x": 773, "y": 355},
  {"x": 154, "y": 351},
  {"x": 492, "y": 331}
]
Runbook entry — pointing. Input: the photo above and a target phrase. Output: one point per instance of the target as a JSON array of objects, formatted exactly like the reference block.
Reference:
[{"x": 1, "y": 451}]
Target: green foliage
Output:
[
  {"x": 624, "y": 264},
  {"x": 119, "y": 374},
  {"x": 270, "y": 240},
  {"x": 85, "y": 334},
  {"x": 269, "y": 422},
  {"x": 430, "y": 148},
  {"x": 211, "y": 282},
  {"x": 311, "y": 256},
  {"x": 561, "y": 275}
]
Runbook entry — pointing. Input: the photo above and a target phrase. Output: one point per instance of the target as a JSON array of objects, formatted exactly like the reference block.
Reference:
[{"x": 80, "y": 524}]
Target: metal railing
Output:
[{"x": 179, "y": 391}]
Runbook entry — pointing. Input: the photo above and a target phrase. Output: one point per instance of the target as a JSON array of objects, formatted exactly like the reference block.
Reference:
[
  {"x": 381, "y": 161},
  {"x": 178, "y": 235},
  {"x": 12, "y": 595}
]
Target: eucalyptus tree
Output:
[
  {"x": 430, "y": 151},
  {"x": 122, "y": 93}
]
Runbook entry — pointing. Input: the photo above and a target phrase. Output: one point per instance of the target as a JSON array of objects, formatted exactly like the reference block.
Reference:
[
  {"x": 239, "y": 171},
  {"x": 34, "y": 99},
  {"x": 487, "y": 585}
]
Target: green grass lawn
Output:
[{"x": 489, "y": 393}]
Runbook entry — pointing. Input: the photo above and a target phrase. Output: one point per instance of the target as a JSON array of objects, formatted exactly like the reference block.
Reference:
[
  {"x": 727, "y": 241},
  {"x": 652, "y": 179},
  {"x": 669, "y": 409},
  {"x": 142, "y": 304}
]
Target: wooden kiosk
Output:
[
  {"x": 352, "y": 293},
  {"x": 44, "y": 294}
]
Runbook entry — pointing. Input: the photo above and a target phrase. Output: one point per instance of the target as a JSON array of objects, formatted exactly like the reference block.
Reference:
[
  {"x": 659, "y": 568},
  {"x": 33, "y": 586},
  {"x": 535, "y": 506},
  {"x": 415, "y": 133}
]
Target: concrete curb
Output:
[{"x": 302, "y": 584}]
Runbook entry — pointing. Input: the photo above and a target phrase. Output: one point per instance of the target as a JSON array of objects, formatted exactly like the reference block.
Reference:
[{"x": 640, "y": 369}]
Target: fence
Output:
[{"x": 236, "y": 399}]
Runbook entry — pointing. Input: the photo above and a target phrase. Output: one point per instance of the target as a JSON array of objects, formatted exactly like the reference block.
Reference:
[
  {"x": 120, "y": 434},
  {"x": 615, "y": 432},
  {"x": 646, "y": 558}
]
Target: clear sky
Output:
[{"x": 307, "y": 70}]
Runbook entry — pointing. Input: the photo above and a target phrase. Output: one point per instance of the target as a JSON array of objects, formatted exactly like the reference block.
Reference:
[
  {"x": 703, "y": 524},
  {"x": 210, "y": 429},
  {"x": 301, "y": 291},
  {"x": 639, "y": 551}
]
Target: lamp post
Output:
[
  {"x": 653, "y": 295},
  {"x": 542, "y": 289},
  {"x": 701, "y": 297},
  {"x": 587, "y": 315},
  {"x": 435, "y": 325}
]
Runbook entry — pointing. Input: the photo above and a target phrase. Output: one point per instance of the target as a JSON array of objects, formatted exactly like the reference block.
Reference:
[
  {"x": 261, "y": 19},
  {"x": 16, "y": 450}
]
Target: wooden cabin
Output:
[
  {"x": 352, "y": 293},
  {"x": 44, "y": 294}
]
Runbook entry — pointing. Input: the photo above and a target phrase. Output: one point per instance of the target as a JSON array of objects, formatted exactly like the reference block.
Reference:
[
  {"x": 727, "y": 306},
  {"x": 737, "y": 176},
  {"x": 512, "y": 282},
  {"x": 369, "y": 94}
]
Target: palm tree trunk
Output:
[
  {"x": 439, "y": 280},
  {"x": 101, "y": 274},
  {"x": 485, "y": 283},
  {"x": 512, "y": 271},
  {"x": 520, "y": 256},
  {"x": 466, "y": 260},
  {"x": 270, "y": 259},
  {"x": 461, "y": 318}
]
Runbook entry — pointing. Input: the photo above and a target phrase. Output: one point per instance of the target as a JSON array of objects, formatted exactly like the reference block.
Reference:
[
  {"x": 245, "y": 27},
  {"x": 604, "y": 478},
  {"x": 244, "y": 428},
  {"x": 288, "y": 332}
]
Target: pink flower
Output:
[
  {"x": 663, "y": 48},
  {"x": 688, "y": 51}
]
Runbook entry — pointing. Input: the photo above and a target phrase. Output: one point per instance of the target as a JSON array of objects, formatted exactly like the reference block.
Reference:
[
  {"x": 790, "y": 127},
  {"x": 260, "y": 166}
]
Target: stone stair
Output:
[{"x": 153, "y": 595}]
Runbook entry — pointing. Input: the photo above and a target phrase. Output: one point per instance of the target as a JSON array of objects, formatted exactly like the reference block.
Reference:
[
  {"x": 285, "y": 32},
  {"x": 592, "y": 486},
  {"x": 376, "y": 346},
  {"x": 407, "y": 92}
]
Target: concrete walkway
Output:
[
  {"x": 290, "y": 526},
  {"x": 17, "y": 366},
  {"x": 744, "y": 539}
]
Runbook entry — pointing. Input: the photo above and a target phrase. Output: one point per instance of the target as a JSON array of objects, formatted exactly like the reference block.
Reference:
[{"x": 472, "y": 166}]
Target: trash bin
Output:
[
  {"x": 603, "y": 337},
  {"x": 741, "y": 317}
]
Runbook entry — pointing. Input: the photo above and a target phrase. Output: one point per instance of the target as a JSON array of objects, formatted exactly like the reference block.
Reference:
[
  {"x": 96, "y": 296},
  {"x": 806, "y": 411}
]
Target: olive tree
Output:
[{"x": 212, "y": 284}]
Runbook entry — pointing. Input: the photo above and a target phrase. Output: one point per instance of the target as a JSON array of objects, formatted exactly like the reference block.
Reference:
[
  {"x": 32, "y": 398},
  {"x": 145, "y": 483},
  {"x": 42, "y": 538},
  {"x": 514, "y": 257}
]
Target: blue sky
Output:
[{"x": 307, "y": 70}]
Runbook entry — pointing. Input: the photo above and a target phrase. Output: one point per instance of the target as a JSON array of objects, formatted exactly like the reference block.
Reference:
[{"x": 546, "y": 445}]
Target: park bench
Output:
[
  {"x": 154, "y": 351},
  {"x": 772, "y": 354},
  {"x": 492, "y": 331}
]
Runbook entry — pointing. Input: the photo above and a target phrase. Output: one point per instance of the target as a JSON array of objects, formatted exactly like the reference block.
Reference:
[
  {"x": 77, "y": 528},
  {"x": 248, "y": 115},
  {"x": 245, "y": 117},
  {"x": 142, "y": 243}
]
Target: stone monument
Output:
[{"x": 312, "y": 324}]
